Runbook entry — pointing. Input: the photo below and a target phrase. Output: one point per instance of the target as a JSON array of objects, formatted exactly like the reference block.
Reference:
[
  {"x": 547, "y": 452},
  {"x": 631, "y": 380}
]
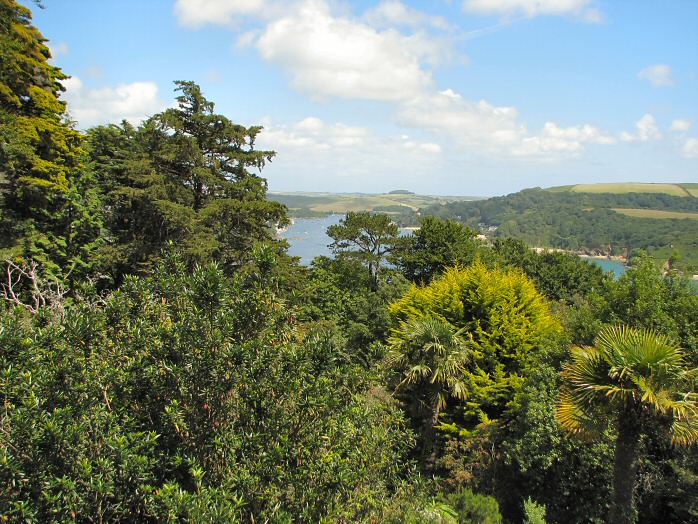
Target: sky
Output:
[{"x": 469, "y": 97}]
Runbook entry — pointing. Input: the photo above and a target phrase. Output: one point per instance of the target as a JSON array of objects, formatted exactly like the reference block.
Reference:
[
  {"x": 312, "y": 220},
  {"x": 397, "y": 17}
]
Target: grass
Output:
[
  {"x": 629, "y": 187},
  {"x": 691, "y": 188},
  {"x": 344, "y": 202},
  {"x": 655, "y": 213}
]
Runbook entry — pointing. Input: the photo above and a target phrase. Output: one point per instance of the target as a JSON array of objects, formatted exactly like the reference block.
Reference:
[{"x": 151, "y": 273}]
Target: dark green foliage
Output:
[
  {"x": 364, "y": 237},
  {"x": 559, "y": 276},
  {"x": 435, "y": 246},
  {"x": 473, "y": 508},
  {"x": 185, "y": 394},
  {"x": 340, "y": 291},
  {"x": 183, "y": 176},
  {"x": 584, "y": 221}
]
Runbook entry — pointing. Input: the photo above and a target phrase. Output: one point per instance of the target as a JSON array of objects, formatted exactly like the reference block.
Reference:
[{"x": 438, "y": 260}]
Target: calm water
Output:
[
  {"x": 308, "y": 239},
  {"x": 609, "y": 265}
]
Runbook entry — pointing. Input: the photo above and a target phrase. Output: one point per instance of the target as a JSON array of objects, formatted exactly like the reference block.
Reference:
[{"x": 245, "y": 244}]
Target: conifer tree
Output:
[
  {"x": 183, "y": 177},
  {"x": 48, "y": 206}
]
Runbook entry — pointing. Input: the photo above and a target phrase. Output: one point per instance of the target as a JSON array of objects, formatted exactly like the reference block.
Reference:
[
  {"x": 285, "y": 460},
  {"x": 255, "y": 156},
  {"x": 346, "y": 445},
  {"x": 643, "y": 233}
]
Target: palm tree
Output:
[
  {"x": 431, "y": 359},
  {"x": 629, "y": 375}
]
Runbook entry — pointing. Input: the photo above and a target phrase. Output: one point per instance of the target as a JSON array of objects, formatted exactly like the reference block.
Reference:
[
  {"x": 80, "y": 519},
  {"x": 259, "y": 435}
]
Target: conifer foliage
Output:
[{"x": 183, "y": 176}]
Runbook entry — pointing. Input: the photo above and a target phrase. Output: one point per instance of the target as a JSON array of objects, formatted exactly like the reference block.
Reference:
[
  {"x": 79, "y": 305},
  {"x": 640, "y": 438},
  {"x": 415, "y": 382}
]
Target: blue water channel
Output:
[{"x": 308, "y": 239}]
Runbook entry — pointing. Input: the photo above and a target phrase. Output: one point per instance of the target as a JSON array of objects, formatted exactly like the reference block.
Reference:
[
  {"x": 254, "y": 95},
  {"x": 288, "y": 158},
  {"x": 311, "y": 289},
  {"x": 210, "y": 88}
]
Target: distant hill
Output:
[
  {"x": 682, "y": 190},
  {"x": 402, "y": 205},
  {"x": 607, "y": 219}
]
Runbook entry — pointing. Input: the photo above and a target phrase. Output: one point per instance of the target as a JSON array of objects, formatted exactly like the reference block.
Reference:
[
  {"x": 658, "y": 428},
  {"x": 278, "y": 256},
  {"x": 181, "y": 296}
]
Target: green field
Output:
[
  {"x": 326, "y": 203},
  {"x": 631, "y": 187},
  {"x": 655, "y": 213},
  {"x": 691, "y": 188}
]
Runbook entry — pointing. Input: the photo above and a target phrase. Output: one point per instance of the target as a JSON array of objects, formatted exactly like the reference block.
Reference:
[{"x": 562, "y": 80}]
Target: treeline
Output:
[
  {"x": 162, "y": 358},
  {"x": 586, "y": 222}
]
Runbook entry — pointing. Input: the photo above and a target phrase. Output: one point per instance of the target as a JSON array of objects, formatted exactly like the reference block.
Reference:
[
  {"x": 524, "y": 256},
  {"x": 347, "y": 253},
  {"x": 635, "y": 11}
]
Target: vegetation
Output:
[
  {"x": 629, "y": 375},
  {"x": 627, "y": 187},
  {"x": 620, "y": 224},
  {"x": 162, "y": 358},
  {"x": 400, "y": 205}
]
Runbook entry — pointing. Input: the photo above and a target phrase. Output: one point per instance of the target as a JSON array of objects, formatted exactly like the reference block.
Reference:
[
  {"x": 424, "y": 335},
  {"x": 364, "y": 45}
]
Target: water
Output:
[
  {"x": 618, "y": 268},
  {"x": 308, "y": 239}
]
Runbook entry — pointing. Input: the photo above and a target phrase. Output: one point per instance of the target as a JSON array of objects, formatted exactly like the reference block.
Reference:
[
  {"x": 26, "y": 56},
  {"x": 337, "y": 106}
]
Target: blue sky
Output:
[{"x": 475, "y": 97}]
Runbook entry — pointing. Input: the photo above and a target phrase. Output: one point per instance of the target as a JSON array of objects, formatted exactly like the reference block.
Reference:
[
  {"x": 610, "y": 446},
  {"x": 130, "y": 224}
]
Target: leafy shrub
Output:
[
  {"x": 474, "y": 508},
  {"x": 534, "y": 513}
]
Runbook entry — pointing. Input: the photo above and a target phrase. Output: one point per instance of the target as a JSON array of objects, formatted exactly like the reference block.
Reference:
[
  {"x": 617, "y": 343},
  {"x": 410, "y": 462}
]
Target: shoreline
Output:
[{"x": 581, "y": 254}]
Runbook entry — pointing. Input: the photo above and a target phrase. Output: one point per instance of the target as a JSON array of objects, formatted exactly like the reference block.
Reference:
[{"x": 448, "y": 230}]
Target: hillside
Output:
[
  {"x": 400, "y": 204},
  {"x": 608, "y": 219},
  {"x": 681, "y": 190}
]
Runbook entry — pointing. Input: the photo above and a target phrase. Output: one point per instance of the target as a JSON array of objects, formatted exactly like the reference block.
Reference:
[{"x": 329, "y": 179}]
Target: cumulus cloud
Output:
[
  {"x": 680, "y": 125},
  {"x": 659, "y": 75},
  {"x": 690, "y": 148},
  {"x": 313, "y": 134},
  {"x": 341, "y": 57},
  {"x": 582, "y": 9},
  {"x": 337, "y": 156},
  {"x": 645, "y": 129},
  {"x": 386, "y": 55},
  {"x": 196, "y": 13},
  {"x": 558, "y": 140},
  {"x": 489, "y": 129},
  {"x": 132, "y": 102}
]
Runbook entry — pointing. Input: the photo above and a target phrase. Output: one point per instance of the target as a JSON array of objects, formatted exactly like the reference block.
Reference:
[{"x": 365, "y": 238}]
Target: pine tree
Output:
[
  {"x": 183, "y": 177},
  {"x": 48, "y": 205}
]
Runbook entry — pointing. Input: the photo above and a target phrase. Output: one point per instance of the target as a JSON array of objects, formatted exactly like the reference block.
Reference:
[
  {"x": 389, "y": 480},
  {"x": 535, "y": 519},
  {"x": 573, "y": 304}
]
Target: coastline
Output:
[{"x": 581, "y": 254}]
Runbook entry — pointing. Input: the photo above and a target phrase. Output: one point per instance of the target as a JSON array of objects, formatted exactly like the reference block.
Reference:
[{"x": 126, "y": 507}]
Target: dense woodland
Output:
[
  {"x": 162, "y": 358},
  {"x": 587, "y": 222}
]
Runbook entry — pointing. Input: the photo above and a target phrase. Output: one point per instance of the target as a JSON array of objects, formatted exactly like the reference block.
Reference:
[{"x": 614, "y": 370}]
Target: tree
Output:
[
  {"x": 365, "y": 237},
  {"x": 189, "y": 396},
  {"x": 49, "y": 209},
  {"x": 430, "y": 359},
  {"x": 436, "y": 245},
  {"x": 635, "y": 376},
  {"x": 504, "y": 320},
  {"x": 184, "y": 176}
]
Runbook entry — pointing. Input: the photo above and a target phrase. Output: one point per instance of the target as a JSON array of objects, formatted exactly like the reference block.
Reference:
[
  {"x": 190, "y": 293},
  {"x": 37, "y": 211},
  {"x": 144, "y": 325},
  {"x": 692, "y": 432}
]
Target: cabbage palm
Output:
[
  {"x": 431, "y": 358},
  {"x": 629, "y": 375}
]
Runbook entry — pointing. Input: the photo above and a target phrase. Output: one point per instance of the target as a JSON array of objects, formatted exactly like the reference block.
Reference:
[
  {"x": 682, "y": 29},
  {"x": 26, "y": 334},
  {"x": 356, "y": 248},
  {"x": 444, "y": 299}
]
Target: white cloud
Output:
[
  {"x": 132, "y": 102},
  {"x": 680, "y": 125},
  {"x": 391, "y": 13},
  {"x": 570, "y": 140},
  {"x": 659, "y": 75},
  {"x": 646, "y": 129},
  {"x": 196, "y": 13},
  {"x": 472, "y": 124},
  {"x": 492, "y": 130},
  {"x": 341, "y": 57},
  {"x": 338, "y": 55},
  {"x": 690, "y": 148},
  {"x": 313, "y": 134},
  {"x": 582, "y": 9},
  {"x": 336, "y": 156}
]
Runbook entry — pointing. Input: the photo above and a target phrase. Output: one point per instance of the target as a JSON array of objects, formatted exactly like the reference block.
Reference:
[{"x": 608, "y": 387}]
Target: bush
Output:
[
  {"x": 473, "y": 508},
  {"x": 534, "y": 513}
]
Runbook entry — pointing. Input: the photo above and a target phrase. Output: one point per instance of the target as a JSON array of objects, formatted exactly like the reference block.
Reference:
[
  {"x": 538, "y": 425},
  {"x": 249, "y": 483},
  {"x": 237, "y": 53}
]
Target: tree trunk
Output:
[
  {"x": 431, "y": 456},
  {"x": 625, "y": 469}
]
